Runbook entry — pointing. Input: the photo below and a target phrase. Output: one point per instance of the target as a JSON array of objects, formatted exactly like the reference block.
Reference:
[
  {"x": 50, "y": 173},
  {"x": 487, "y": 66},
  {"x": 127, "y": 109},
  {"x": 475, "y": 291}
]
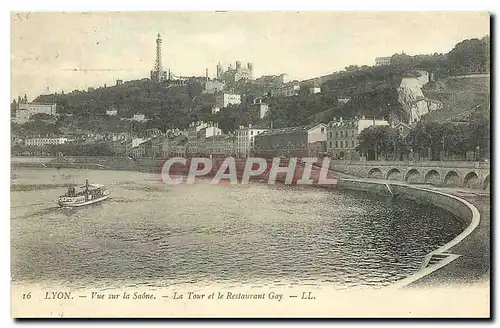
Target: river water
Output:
[{"x": 151, "y": 234}]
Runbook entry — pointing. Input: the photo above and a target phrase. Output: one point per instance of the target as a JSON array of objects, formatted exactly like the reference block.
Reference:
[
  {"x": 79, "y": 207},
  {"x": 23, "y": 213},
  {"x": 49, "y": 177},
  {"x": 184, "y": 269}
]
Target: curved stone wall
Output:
[{"x": 457, "y": 206}]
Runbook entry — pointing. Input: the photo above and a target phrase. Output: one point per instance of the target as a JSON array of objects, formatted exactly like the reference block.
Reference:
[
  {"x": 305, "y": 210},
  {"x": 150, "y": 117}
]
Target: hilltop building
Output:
[
  {"x": 273, "y": 79},
  {"x": 157, "y": 74},
  {"x": 285, "y": 90},
  {"x": 26, "y": 110},
  {"x": 382, "y": 61},
  {"x": 233, "y": 75}
]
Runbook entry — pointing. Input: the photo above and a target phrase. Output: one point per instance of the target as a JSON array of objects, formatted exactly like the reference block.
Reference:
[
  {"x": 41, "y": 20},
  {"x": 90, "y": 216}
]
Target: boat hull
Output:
[{"x": 92, "y": 201}]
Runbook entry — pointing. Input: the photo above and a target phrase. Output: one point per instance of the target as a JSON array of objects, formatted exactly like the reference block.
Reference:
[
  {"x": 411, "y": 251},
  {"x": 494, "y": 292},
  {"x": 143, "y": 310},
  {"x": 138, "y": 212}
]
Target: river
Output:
[{"x": 152, "y": 234}]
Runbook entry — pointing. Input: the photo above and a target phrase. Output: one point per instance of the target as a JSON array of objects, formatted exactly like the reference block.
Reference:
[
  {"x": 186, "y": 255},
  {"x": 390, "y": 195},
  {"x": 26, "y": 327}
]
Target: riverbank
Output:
[
  {"x": 463, "y": 261},
  {"x": 474, "y": 263}
]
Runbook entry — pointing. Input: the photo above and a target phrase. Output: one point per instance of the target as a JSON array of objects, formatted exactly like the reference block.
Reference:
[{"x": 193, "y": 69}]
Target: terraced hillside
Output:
[{"x": 460, "y": 95}]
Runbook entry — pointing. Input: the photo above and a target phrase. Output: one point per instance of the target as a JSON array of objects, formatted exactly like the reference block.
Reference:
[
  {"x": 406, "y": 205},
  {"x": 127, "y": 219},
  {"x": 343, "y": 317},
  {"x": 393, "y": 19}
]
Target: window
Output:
[
  {"x": 352, "y": 143},
  {"x": 336, "y": 133},
  {"x": 341, "y": 133},
  {"x": 322, "y": 130},
  {"x": 341, "y": 144},
  {"x": 330, "y": 144},
  {"x": 251, "y": 133},
  {"x": 336, "y": 144}
]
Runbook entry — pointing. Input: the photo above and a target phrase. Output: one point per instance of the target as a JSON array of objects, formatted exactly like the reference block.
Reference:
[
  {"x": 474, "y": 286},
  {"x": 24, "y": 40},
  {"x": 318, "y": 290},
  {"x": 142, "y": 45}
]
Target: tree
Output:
[
  {"x": 469, "y": 56},
  {"x": 194, "y": 89},
  {"x": 374, "y": 141},
  {"x": 13, "y": 108}
]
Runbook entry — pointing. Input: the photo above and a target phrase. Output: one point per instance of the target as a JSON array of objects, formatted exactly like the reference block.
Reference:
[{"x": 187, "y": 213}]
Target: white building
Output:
[
  {"x": 111, "y": 112},
  {"x": 343, "y": 135},
  {"x": 212, "y": 130},
  {"x": 287, "y": 90},
  {"x": 317, "y": 133},
  {"x": 139, "y": 117},
  {"x": 45, "y": 141},
  {"x": 259, "y": 108},
  {"x": 314, "y": 90},
  {"x": 137, "y": 141},
  {"x": 25, "y": 111},
  {"x": 343, "y": 100},
  {"x": 382, "y": 61},
  {"x": 244, "y": 141},
  {"x": 225, "y": 99}
]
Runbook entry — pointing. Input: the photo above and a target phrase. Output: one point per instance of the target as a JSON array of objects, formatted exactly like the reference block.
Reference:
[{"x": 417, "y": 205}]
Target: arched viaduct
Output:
[{"x": 472, "y": 175}]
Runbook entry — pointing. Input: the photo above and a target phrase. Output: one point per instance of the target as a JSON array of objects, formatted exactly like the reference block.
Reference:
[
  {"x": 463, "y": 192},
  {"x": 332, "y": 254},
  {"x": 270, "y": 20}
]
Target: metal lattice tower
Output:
[{"x": 158, "y": 69}]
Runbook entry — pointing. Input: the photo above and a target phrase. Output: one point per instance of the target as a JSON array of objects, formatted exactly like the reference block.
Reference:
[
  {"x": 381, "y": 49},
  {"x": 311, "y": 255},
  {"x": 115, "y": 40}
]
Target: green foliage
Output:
[
  {"x": 428, "y": 139},
  {"x": 372, "y": 91},
  {"x": 194, "y": 89},
  {"x": 470, "y": 56}
]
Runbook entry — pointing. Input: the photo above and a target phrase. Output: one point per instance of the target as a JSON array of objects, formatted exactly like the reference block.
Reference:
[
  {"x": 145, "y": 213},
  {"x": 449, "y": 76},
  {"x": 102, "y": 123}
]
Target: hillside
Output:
[
  {"x": 461, "y": 96},
  {"x": 372, "y": 91},
  {"x": 168, "y": 106}
]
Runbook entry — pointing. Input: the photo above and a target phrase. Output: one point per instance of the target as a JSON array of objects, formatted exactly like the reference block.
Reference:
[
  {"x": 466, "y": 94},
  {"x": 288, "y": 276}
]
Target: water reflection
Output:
[{"x": 158, "y": 235}]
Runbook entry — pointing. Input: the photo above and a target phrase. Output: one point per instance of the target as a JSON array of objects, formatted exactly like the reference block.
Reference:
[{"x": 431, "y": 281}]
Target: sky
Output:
[{"x": 54, "y": 52}]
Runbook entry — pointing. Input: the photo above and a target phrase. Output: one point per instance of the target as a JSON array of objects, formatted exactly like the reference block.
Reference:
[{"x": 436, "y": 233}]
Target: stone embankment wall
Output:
[{"x": 391, "y": 189}]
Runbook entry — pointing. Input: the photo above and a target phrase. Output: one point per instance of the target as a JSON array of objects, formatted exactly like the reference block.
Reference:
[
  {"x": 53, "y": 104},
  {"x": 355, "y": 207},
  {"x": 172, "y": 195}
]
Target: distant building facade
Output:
[
  {"x": 26, "y": 110},
  {"x": 223, "y": 100},
  {"x": 259, "y": 108},
  {"x": 343, "y": 135},
  {"x": 45, "y": 141},
  {"x": 232, "y": 75},
  {"x": 403, "y": 129},
  {"x": 287, "y": 90},
  {"x": 299, "y": 141},
  {"x": 382, "y": 61},
  {"x": 273, "y": 79},
  {"x": 314, "y": 90},
  {"x": 245, "y": 138},
  {"x": 221, "y": 144},
  {"x": 139, "y": 117}
]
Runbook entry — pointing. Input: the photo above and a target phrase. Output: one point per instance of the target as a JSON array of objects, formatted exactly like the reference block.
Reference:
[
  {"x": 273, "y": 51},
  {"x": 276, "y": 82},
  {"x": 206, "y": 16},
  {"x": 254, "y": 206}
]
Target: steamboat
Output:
[{"x": 83, "y": 195}]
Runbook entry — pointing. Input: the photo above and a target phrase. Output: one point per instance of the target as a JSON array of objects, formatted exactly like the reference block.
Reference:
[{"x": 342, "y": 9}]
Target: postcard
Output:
[{"x": 250, "y": 165}]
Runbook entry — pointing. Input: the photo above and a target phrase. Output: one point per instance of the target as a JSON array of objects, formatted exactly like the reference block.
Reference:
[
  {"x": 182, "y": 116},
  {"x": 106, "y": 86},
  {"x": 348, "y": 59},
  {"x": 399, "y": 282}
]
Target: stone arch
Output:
[
  {"x": 432, "y": 177},
  {"x": 486, "y": 183},
  {"x": 393, "y": 174},
  {"x": 452, "y": 179},
  {"x": 412, "y": 175},
  {"x": 471, "y": 180},
  {"x": 374, "y": 173}
]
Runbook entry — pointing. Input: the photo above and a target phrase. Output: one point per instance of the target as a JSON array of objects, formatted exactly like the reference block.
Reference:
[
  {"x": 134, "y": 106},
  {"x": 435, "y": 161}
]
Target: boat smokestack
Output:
[{"x": 86, "y": 189}]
